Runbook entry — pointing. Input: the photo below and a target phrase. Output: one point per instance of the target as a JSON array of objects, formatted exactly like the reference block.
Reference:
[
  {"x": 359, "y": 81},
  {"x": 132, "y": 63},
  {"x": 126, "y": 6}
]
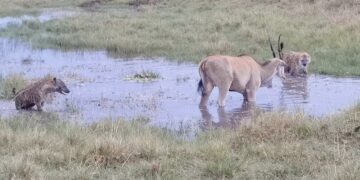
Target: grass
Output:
[
  {"x": 9, "y": 82},
  {"x": 144, "y": 76},
  {"x": 190, "y": 30},
  {"x": 272, "y": 146}
]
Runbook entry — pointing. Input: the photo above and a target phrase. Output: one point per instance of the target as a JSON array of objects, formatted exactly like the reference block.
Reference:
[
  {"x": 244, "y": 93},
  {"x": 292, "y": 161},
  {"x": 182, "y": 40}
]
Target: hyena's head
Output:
[
  {"x": 304, "y": 61},
  {"x": 60, "y": 86}
]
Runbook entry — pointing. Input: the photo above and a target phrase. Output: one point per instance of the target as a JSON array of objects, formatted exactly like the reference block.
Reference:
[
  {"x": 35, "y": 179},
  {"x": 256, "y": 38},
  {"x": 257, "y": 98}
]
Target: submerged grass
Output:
[
  {"x": 272, "y": 146},
  {"x": 190, "y": 30}
]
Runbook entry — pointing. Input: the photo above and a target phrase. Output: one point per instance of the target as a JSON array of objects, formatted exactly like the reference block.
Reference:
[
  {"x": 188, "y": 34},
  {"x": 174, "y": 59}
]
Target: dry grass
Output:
[{"x": 272, "y": 146}]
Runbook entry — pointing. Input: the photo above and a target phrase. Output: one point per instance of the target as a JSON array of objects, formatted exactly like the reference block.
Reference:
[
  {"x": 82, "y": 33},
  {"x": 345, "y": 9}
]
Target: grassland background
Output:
[{"x": 187, "y": 30}]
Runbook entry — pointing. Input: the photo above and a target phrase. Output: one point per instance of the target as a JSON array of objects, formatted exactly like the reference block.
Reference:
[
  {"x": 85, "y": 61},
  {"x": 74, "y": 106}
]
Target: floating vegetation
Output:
[{"x": 144, "y": 76}]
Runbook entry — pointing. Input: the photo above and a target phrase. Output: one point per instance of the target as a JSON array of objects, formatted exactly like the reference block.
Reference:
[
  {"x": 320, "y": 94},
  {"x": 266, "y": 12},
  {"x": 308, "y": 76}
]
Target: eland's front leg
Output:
[
  {"x": 223, "y": 90},
  {"x": 250, "y": 95}
]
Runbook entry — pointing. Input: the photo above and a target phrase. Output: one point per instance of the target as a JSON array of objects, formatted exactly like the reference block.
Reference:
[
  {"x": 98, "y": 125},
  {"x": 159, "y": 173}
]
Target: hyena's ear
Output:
[{"x": 54, "y": 79}]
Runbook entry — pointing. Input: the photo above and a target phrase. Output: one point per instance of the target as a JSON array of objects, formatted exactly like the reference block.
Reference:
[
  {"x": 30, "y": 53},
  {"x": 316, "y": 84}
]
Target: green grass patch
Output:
[
  {"x": 9, "y": 82},
  {"x": 272, "y": 146},
  {"x": 190, "y": 30},
  {"x": 144, "y": 76}
]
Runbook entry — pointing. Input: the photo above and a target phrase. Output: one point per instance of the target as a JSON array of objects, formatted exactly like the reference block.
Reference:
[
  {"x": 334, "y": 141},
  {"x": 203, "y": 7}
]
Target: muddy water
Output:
[{"x": 100, "y": 89}]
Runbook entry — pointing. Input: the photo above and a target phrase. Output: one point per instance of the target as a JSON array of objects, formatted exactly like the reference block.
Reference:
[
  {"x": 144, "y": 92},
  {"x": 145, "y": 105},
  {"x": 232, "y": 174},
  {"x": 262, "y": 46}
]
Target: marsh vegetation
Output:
[
  {"x": 9, "y": 82},
  {"x": 144, "y": 76}
]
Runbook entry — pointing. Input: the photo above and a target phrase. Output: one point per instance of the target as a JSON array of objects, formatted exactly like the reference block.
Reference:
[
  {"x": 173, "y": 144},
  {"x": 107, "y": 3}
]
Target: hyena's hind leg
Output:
[
  {"x": 29, "y": 106},
  {"x": 23, "y": 105}
]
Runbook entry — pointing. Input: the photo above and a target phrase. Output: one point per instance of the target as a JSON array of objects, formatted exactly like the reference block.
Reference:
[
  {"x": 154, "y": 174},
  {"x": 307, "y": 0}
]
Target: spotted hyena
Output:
[
  {"x": 297, "y": 63},
  {"x": 35, "y": 93}
]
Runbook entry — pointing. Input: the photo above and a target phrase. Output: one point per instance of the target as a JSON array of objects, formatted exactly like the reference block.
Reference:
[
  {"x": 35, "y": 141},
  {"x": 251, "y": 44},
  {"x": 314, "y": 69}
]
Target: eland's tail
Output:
[{"x": 200, "y": 87}]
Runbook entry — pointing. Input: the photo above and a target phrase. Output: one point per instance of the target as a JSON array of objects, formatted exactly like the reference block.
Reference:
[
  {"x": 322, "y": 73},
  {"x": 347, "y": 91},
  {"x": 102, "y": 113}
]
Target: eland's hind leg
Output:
[{"x": 208, "y": 87}]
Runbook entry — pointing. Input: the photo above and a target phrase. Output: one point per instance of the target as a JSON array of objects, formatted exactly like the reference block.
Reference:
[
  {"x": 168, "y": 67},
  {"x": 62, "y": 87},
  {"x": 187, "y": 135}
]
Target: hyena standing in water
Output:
[
  {"x": 35, "y": 94},
  {"x": 297, "y": 62}
]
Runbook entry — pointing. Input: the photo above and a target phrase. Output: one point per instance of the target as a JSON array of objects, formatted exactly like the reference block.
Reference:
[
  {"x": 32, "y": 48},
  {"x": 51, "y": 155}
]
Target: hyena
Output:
[
  {"x": 297, "y": 62},
  {"x": 35, "y": 94}
]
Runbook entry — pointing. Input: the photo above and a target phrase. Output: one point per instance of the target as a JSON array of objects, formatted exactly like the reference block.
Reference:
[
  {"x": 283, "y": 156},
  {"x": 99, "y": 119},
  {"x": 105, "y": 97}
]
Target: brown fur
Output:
[
  {"x": 297, "y": 63},
  {"x": 35, "y": 93},
  {"x": 241, "y": 74}
]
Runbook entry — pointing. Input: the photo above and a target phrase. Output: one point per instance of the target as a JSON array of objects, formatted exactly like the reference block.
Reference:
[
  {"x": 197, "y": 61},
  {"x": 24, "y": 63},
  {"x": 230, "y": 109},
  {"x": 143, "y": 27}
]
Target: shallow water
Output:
[
  {"x": 42, "y": 17},
  {"x": 99, "y": 89}
]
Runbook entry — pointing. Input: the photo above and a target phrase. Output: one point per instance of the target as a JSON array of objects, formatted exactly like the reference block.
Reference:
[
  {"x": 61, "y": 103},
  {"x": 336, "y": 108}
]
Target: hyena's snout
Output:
[
  {"x": 63, "y": 90},
  {"x": 60, "y": 86},
  {"x": 305, "y": 61},
  {"x": 66, "y": 90}
]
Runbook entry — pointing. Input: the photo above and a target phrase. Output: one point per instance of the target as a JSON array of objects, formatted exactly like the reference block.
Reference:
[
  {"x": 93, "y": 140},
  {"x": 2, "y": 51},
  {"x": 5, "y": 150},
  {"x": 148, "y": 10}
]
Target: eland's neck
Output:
[{"x": 268, "y": 70}]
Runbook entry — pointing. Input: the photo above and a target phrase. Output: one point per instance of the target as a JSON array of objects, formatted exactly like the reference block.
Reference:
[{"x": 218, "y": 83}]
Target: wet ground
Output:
[{"x": 100, "y": 89}]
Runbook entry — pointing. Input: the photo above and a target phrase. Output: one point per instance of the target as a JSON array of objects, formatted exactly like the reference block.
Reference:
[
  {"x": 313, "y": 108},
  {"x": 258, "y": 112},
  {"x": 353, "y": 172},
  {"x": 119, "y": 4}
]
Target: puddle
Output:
[
  {"x": 99, "y": 89},
  {"x": 42, "y": 17}
]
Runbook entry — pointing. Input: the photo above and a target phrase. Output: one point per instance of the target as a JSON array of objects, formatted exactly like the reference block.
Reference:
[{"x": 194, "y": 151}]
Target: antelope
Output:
[{"x": 242, "y": 74}]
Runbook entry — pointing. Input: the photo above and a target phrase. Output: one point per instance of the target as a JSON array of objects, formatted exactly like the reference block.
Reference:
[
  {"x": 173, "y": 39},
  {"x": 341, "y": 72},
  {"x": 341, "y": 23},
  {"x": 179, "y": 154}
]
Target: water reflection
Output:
[
  {"x": 294, "y": 89},
  {"x": 230, "y": 119}
]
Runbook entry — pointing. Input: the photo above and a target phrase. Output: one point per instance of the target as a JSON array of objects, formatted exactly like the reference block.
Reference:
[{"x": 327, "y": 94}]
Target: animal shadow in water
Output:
[{"x": 230, "y": 119}]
